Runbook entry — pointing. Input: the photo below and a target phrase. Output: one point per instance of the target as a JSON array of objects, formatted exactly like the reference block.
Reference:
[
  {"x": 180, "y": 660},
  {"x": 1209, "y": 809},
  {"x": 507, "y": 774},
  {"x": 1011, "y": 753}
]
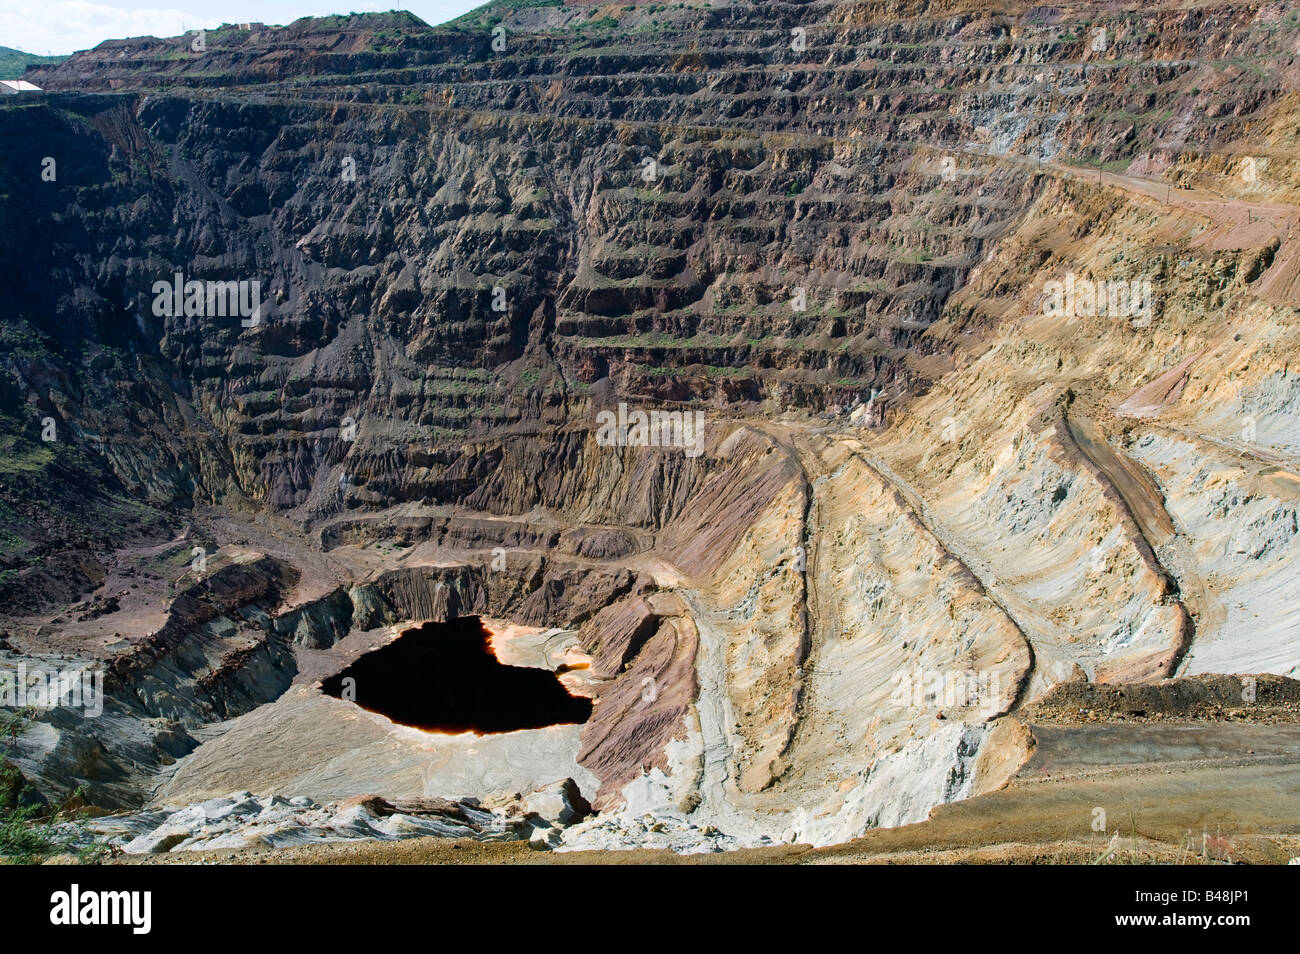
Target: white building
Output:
[{"x": 13, "y": 87}]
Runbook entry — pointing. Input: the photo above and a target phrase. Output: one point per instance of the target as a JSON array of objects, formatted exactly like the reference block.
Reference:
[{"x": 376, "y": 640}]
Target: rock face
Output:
[{"x": 948, "y": 350}]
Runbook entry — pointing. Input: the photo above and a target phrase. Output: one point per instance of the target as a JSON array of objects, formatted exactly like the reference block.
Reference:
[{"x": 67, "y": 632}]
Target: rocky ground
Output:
[
  {"x": 1185, "y": 794},
  {"x": 242, "y": 821}
]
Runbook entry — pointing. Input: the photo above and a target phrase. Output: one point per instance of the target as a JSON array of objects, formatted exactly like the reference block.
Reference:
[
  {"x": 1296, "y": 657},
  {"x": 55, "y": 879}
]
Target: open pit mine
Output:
[{"x": 817, "y": 432}]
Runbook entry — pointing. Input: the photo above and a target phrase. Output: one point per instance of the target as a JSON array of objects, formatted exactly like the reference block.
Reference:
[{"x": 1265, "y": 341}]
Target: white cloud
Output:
[{"x": 65, "y": 26}]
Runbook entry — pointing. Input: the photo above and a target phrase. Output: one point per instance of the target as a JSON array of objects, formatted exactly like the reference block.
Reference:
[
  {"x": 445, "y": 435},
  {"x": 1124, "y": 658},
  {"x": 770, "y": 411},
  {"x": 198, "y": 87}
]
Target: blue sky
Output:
[{"x": 64, "y": 26}]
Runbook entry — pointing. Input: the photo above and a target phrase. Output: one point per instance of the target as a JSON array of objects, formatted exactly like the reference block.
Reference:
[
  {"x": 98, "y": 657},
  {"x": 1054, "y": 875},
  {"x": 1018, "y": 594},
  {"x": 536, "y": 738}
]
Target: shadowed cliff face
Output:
[{"x": 356, "y": 294}]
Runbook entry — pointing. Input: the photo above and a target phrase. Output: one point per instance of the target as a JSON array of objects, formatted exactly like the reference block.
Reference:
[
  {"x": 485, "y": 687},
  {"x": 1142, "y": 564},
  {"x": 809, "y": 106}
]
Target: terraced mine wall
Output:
[{"x": 828, "y": 228}]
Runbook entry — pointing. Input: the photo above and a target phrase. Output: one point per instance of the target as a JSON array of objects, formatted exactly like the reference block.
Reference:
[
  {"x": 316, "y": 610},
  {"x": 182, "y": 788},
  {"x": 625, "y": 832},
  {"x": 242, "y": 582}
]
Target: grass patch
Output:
[{"x": 13, "y": 63}]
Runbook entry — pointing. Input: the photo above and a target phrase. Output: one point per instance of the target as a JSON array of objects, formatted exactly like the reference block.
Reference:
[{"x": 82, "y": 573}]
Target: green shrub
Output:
[{"x": 29, "y": 831}]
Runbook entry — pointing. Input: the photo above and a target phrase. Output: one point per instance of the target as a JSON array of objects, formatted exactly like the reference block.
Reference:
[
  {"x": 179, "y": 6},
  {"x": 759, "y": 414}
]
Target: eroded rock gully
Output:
[{"x": 927, "y": 517}]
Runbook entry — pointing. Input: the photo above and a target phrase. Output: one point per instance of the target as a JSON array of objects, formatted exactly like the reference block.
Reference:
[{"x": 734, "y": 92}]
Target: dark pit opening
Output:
[{"x": 444, "y": 677}]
